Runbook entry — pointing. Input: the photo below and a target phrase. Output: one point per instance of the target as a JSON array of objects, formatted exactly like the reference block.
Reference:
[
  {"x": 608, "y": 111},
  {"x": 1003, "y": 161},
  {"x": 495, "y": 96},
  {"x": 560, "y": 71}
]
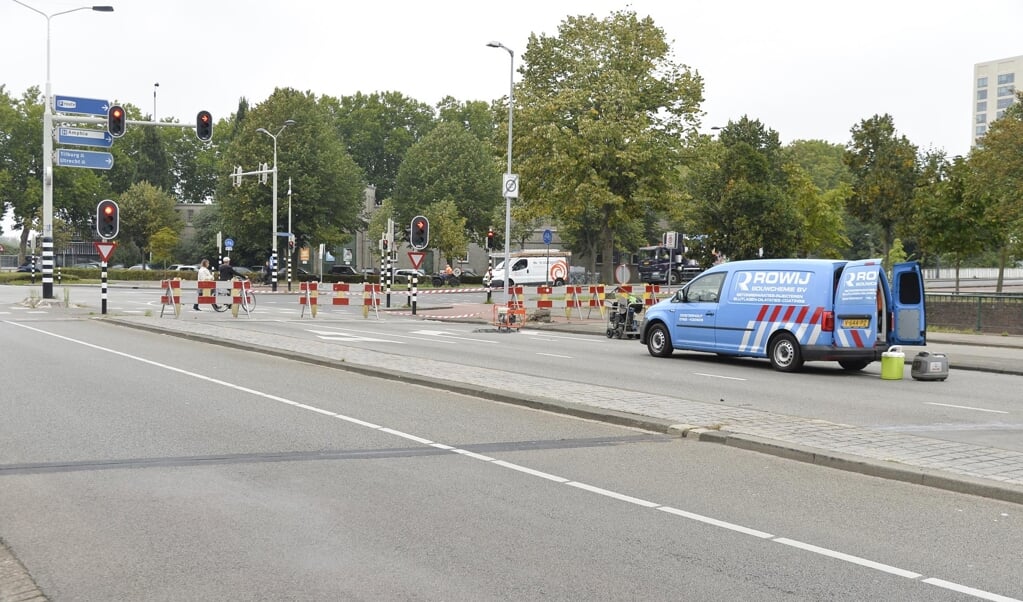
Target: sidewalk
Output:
[{"x": 973, "y": 469}]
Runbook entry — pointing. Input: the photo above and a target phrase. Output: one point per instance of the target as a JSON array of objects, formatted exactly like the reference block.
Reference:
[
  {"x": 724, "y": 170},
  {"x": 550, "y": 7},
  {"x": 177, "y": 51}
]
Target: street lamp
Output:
[
  {"x": 48, "y": 150},
  {"x": 507, "y": 197},
  {"x": 273, "y": 252}
]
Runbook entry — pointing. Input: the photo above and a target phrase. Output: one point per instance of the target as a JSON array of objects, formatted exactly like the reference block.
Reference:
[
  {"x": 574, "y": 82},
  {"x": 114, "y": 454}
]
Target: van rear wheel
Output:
[
  {"x": 785, "y": 353},
  {"x": 853, "y": 365},
  {"x": 658, "y": 341}
]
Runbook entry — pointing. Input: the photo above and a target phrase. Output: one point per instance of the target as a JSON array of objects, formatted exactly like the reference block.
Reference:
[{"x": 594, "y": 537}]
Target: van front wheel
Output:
[
  {"x": 658, "y": 341},
  {"x": 785, "y": 354}
]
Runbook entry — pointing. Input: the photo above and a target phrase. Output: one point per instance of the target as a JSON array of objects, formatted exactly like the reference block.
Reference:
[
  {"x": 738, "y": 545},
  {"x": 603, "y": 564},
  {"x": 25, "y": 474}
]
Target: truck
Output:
[
  {"x": 791, "y": 311},
  {"x": 666, "y": 263},
  {"x": 533, "y": 267}
]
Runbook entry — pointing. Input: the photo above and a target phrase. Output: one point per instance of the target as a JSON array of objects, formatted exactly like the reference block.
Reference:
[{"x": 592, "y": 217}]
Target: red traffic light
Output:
[
  {"x": 420, "y": 235},
  {"x": 107, "y": 220},
  {"x": 115, "y": 121},
  {"x": 204, "y": 125}
]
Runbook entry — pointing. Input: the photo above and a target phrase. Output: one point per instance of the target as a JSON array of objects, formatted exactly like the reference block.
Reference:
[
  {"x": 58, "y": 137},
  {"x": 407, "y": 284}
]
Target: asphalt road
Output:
[
  {"x": 970, "y": 407},
  {"x": 148, "y": 467}
]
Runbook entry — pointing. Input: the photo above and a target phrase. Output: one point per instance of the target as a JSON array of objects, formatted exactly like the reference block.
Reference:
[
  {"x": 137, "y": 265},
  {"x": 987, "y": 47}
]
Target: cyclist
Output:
[{"x": 204, "y": 275}]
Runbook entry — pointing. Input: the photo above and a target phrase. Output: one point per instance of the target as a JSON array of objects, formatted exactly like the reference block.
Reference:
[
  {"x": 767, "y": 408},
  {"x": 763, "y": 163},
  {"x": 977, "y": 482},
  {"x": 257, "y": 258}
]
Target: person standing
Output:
[{"x": 204, "y": 275}]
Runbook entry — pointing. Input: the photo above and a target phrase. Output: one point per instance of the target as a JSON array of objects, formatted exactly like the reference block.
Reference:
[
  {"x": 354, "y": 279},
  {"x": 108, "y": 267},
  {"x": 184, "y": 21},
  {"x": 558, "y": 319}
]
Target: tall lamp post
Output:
[
  {"x": 48, "y": 150},
  {"x": 507, "y": 196},
  {"x": 273, "y": 252}
]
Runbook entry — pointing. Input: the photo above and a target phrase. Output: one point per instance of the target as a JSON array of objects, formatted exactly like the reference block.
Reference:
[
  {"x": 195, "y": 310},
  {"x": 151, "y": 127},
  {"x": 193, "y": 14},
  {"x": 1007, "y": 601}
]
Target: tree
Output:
[
  {"x": 447, "y": 230},
  {"x": 744, "y": 205},
  {"x": 997, "y": 181},
  {"x": 146, "y": 210},
  {"x": 947, "y": 220},
  {"x": 377, "y": 130},
  {"x": 603, "y": 115},
  {"x": 327, "y": 184},
  {"x": 449, "y": 164},
  {"x": 884, "y": 170}
]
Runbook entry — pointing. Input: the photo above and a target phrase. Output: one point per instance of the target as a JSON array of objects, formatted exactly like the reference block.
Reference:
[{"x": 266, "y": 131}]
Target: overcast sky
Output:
[{"x": 809, "y": 69}]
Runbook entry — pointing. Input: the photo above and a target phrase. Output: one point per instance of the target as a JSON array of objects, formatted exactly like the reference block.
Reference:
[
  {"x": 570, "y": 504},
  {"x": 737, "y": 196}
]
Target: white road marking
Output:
[
  {"x": 538, "y": 334},
  {"x": 848, "y": 558},
  {"x": 977, "y": 593},
  {"x": 447, "y": 335},
  {"x": 521, "y": 469},
  {"x": 567, "y": 357},
  {"x": 718, "y": 376},
  {"x": 948, "y": 405},
  {"x": 344, "y": 333}
]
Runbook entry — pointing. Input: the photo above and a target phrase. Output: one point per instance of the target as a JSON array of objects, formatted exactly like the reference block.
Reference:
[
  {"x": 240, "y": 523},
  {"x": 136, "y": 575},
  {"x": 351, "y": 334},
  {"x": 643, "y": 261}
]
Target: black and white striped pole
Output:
[{"x": 415, "y": 289}]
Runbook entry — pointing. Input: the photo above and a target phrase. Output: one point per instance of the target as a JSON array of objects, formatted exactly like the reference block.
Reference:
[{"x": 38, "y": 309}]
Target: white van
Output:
[{"x": 533, "y": 268}]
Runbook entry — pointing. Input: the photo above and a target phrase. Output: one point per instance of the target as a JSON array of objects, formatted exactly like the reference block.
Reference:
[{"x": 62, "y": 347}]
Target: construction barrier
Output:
[
  {"x": 367, "y": 295},
  {"x": 238, "y": 289},
  {"x": 206, "y": 293},
  {"x": 308, "y": 294},
  {"x": 171, "y": 296}
]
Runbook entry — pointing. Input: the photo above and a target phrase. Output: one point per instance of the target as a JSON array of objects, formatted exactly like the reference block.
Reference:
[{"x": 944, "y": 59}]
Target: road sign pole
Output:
[{"x": 103, "y": 286}]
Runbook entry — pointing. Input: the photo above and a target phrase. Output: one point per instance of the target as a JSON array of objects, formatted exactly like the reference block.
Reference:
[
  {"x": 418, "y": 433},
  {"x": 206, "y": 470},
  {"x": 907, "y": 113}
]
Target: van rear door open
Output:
[
  {"x": 910, "y": 323},
  {"x": 856, "y": 304}
]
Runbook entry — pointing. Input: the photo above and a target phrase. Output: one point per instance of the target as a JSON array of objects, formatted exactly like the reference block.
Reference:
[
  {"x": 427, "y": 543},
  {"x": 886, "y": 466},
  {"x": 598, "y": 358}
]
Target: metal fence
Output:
[{"x": 987, "y": 312}]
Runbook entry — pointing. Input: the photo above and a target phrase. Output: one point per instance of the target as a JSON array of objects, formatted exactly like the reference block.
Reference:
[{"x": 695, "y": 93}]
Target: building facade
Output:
[{"x": 994, "y": 89}]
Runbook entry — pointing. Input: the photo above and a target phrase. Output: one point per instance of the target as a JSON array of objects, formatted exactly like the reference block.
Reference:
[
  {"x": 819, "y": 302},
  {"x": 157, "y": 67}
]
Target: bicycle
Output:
[{"x": 248, "y": 298}]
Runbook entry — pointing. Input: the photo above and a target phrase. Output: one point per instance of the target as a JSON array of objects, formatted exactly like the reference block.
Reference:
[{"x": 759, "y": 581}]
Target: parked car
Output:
[
  {"x": 404, "y": 275},
  {"x": 297, "y": 274},
  {"x": 343, "y": 270},
  {"x": 141, "y": 266},
  {"x": 183, "y": 267},
  {"x": 28, "y": 268}
]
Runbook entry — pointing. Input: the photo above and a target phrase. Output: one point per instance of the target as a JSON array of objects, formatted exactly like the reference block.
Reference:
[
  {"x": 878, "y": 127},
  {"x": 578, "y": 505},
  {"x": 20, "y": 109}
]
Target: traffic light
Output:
[
  {"x": 490, "y": 239},
  {"x": 204, "y": 125},
  {"x": 116, "y": 121},
  {"x": 107, "y": 219},
  {"x": 420, "y": 236}
]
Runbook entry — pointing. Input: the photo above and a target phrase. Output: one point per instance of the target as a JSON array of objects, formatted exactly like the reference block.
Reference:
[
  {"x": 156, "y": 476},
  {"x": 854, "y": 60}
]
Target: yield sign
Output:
[
  {"x": 105, "y": 250},
  {"x": 416, "y": 258}
]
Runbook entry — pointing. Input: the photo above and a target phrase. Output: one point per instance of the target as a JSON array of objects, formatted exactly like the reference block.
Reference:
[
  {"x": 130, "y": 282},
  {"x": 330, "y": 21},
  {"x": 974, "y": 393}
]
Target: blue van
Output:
[{"x": 792, "y": 311}]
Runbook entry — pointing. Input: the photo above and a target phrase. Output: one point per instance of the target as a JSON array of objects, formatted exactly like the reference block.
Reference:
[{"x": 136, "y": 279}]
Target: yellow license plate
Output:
[{"x": 856, "y": 323}]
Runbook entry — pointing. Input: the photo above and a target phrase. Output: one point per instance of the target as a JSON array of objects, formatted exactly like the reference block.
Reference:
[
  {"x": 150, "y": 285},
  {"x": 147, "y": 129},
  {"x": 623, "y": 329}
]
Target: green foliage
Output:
[
  {"x": 996, "y": 181},
  {"x": 447, "y": 229},
  {"x": 747, "y": 205},
  {"x": 449, "y": 164},
  {"x": 327, "y": 185},
  {"x": 884, "y": 170},
  {"x": 146, "y": 210},
  {"x": 604, "y": 112},
  {"x": 377, "y": 130},
  {"x": 162, "y": 244}
]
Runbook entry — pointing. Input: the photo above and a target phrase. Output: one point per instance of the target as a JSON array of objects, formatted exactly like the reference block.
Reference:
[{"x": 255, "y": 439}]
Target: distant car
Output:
[
  {"x": 343, "y": 270},
  {"x": 246, "y": 272},
  {"x": 183, "y": 267},
  {"x": 28, "y": 268},
  {"x": 297, "y": 274},
  {"x": 87, "y": 265},
  {"x": 140, "y": 266},
  {"x": 404, "y": 275}
]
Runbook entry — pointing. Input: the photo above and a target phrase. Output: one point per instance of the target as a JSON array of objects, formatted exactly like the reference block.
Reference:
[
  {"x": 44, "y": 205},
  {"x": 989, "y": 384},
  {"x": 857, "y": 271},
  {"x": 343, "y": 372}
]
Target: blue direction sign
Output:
[
  {"x": 82, "y": 158},
  {"x": 229, "y": 244},
  {"x": 84, "y": 137},
  {"x": 547, "y": 237},
  {"x": 81, "y": 106}
]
